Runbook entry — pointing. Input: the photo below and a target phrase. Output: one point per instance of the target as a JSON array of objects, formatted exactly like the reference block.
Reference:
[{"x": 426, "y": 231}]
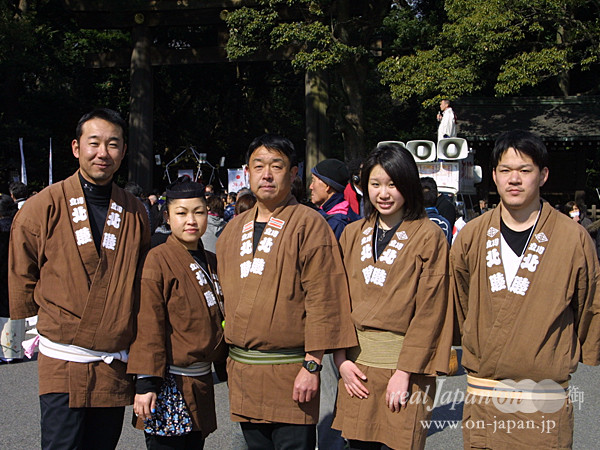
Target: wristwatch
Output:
[{"x": 312, "y": 366}]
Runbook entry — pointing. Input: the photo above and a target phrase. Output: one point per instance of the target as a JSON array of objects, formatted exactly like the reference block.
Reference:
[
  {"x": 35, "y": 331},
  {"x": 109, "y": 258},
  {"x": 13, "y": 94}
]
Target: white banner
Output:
[
  {"x": 23, "y": 170},
  {"x": 237, "y": 179},
  {"x": 50, "y": 164}
]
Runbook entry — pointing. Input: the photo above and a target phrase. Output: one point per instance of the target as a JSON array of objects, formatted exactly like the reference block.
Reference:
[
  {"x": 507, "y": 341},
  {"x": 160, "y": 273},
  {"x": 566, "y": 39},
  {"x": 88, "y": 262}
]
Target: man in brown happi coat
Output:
[
  {"x": 525, "y": 287},
  {"x": 76, "y": 252},
  {"x": 286, "y": 302}
]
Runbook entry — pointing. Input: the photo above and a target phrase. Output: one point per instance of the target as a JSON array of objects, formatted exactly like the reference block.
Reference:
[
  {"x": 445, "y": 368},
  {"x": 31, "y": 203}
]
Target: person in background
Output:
[
  {"x": 430, "y": 194},
  {"x": 459, "y": 224},
  {"x": 286, "y": 303},
  {"x": 524, "y": 282},
  {"x": 179, "y": 321},
  {"x": 352, "y": 192},
  {"x": 230, "y": 207},
  {"x": 75, "y": 256},
  {"x": 215, "y": 223},
  {"x": 447, "y": 120},
  {"x": 12, "y": 332},
  {"x": 396, "y": 261},
  {"x": 244, "y": 203},
  {"x": 329, "y": 179},
  {"x": 18, "y": 192}
]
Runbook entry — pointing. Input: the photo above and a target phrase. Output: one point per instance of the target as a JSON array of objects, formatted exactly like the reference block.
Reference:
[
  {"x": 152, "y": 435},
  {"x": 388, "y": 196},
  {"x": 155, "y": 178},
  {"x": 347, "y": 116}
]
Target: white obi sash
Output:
[{"x": 74, "y": 353}]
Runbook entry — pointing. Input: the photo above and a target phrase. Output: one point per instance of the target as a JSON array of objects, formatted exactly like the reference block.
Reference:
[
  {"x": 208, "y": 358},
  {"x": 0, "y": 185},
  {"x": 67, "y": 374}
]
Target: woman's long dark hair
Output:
[{"x": 400, "y": 165}]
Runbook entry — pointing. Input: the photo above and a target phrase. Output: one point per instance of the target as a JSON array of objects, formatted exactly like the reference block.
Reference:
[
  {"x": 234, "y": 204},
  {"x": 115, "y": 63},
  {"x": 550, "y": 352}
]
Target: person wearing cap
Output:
[
  {"x": 179, "y": 322},
  {"x": 75, "y": 257},
  {"x": 329, "y": 179},
  {"x": 286, "y": 303}
]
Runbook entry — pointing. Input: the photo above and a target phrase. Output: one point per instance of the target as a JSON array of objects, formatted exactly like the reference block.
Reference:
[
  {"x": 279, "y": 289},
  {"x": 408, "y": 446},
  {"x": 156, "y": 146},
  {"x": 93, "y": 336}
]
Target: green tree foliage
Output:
[
  {"x": 502, "y": 47},
  {"x": 45, "y": 85},
  {"x": 318, "y": 35}
]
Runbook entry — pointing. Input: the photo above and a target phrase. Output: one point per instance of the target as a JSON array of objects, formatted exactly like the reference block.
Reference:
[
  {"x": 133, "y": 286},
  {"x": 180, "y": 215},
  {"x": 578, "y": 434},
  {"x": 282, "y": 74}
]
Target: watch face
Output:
[{"x": 311, "y": 366}]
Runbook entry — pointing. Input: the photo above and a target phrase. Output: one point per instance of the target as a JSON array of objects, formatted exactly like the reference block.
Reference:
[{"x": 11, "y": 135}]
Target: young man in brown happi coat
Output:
[
  {"x": 76, "y": 253},
  {"x": 525, "y": 287},
  {"x": 286, "y": 302}
]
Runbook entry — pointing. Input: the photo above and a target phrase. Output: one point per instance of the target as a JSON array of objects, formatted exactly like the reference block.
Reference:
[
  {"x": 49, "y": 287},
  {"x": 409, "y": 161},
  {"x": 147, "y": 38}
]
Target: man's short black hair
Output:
[
  {"x": 18, "y": 189},
  {"x": 101, "y": 113},
  {"x": 430, "y": 191},
  {"x": 274, "y": 142},
  {"x": 523, "y": 142}
]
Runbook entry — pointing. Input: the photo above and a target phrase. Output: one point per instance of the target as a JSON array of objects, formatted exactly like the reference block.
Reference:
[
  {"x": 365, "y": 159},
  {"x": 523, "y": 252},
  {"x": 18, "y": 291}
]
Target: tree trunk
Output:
[
  {"x": 316, "y": 94},
  {"x": 141, "y": 104}
]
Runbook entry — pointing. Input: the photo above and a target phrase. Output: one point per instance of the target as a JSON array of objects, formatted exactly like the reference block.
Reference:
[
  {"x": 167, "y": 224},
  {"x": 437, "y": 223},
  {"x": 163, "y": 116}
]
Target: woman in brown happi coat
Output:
[
  {"x": 396, "y": 261},
  {"x": 179, "y": 324}
]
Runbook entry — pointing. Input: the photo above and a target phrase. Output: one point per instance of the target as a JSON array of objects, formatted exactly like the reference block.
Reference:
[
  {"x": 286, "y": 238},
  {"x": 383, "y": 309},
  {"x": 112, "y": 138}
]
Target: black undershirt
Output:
[
  {"x": 259, "y": 227},
  {"x": 97, "y": 199},
  {"x": 516, "y": 240},
  {"x": 382, "y": 243}
]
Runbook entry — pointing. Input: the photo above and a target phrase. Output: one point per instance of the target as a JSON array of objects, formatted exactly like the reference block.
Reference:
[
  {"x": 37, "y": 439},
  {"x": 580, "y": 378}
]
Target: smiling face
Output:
[
  {"x": 384, "y": 196},
  {"x": 518, "y": 180},
  {"x": 270, "y": 176},
  {"x": 188, "y": 219},
  {"x": 100, "y": 150}
]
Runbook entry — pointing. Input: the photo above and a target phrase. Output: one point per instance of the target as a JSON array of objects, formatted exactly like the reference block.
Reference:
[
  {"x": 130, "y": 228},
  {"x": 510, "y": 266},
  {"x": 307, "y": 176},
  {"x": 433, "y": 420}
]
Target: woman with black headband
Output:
[{"x": 179, "y": 329}]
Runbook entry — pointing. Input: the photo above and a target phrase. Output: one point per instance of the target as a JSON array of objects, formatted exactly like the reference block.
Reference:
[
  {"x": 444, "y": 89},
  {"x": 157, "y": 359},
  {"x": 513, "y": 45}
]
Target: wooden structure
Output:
[
  {"x": 569, "y": 126},
  {"x": 143, "y": 18}
]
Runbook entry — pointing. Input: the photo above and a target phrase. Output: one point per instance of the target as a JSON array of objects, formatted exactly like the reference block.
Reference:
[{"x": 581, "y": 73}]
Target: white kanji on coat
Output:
[
  {"x": 492, "y": 232},
  {"x": 271, "y": 232},
  {"x": 114, "y": 220},
  {"x": 493, "y": 258},
  {"x": 265, "y": 245},
  {"x": 245, "y": 268},
  {"x": 79, "y": 214},
  {"x": 492, "y": 243},
  {"x": 530, "y": 262},
  {"x": 367, "y": 252},
  {"x": 109, "y": 241},
  {"x": 76, "y": 201},
  {"x": 378, "y": 276},
  {"x": 83, "y": 236},
  {"x": 246, "y": 236},
  {"x": 210, "y": 299},
  {"x": 365, "y": 240},
  {"x": 367, "y": 271},
  {"x": 246, "y": 248},
  {"x": 519, "y": 285},
  {"x": 194, "y": 266},
  {"x": 201, "y": 278},
  {"x": 116, "y": 207},
  {"x": 497, "y": 282},
  {"x": 258, "y": 265},
  {"x": 397, "y": 245},
  {"x": 389, "y": 256}
]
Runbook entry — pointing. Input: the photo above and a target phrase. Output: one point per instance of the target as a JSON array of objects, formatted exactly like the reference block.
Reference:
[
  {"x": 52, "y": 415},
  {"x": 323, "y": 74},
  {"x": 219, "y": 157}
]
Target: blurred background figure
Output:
[
  {"x": 215, "y": 223},
  {"x": 12, "y": 331}
]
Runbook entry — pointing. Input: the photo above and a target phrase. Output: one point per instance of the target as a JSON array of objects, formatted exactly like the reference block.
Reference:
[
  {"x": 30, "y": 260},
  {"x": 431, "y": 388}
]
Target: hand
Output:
[
  {"x": 397, "y": 393},
  {"x": 351, "y": 375},
  {"x": 306, "y": 386},
  {"x": 144, "y": 405}
]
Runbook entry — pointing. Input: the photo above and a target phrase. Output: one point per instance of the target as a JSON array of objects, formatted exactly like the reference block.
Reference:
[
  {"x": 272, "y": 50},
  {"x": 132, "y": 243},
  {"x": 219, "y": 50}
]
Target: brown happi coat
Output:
[
  {"x": 405, "y": 291},
  {"x": 81, "y": 298},
  {"x": 177, "y": 325},
  {"x": 540, "y": 327},
  {"x": 291, "y": 293}
]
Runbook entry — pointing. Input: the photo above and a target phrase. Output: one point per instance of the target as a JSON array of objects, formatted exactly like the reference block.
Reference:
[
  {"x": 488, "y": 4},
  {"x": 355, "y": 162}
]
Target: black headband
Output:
[{"x": 199, "y": 192}]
